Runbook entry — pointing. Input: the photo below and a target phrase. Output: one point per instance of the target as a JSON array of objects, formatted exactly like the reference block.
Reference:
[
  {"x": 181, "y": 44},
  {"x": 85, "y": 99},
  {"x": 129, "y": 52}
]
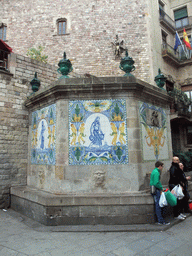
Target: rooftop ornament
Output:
[
  {"x": 160, "y": 79},
  {"x": 65, "y": 67},
  {"x": 35, "y": 83},
  {"x": 126, "y": 65}
]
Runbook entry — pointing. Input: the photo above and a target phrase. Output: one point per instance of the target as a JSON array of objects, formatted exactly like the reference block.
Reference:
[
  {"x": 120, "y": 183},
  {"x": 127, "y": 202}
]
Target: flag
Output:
[
  {"x": 177, "y": 41},
  {"x": 186, "y": 40}
]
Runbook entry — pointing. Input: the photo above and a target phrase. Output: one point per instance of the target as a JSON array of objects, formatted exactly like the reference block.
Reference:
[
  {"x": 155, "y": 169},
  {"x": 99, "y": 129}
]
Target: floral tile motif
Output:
[
  {"x": 154, "y": 132},
  {"x": 97, "y": 132},
  {"x": 43, "y": 136}
]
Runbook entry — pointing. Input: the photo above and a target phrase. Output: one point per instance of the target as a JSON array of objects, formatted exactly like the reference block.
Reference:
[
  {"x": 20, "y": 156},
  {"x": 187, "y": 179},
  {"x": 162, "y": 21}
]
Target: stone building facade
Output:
[
  {"x": 91, "y": 28},
  {"x": 87, "y": 31},
  {"x": 14, "y": 122}
]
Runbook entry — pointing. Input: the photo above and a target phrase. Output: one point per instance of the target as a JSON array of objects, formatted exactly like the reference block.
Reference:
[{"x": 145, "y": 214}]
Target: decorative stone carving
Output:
[
  {"x": 118, "y": 46},
  {"x": 153, "y": 118},
  {"x": 99, "y": 178},
  {"x": 41, "y": 177}
]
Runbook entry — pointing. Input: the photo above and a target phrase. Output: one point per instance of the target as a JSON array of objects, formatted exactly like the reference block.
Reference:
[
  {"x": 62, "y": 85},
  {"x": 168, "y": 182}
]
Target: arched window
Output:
[
  {"x": 61, "y": 26},
  {"x": 3, "y": 31}
]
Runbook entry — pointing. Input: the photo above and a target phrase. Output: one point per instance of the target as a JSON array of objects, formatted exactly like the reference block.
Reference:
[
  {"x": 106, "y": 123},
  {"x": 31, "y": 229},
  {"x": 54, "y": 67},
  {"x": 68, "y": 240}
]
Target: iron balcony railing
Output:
[
  {"x": 165, "y": 17},
  {"x": 183, "y": 22},
  {"x": 178, "y": 24},
  {"x": 3, "y": 59},
  {"x": 179, "y": 55}
]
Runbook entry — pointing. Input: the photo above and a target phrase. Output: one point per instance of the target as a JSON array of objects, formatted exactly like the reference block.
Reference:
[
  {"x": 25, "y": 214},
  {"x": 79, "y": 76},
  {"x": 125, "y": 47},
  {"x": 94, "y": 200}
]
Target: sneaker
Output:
[
  {"x": 183, "y": 215},
  {"x": 163, "y": 223},
  {"x": 166, "y": 223},
  {"x": 179, "y": 218}
]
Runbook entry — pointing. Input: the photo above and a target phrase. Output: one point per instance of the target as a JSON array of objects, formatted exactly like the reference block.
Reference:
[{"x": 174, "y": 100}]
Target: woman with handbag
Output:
[{"x": 185, "y": 204}]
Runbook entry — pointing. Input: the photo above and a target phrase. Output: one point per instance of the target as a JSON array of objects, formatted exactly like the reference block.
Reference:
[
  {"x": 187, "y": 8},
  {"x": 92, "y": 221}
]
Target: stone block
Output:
[
  {"x": 70, "y": 211},
  {"x": 112, "y": 220},
  {"x": 87, "y": 211},
  {"x": 59, "y": 172}
]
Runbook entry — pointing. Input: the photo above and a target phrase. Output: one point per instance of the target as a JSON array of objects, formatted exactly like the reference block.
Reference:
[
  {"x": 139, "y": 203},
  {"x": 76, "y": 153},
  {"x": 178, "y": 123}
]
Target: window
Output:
[
  {"x": 169, "y": 86},
  {"x": 181, "y": 18},
  {"x": 164, "y": 37},
  {"x": 3, "y": 30},
  {"x": 61, "y": 26},
  {"x": 161, "y": 5},
  {"x": 189, "y": 134},
  {"x": 189, "y": 95},
  {"x": 161, "y": 9}
]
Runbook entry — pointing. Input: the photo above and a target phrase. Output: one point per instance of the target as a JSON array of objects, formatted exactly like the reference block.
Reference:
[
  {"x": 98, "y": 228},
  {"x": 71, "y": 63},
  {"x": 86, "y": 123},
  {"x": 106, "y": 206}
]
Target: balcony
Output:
[
  {"x": 181, "y": 106},
  {"x": 183, "y": 23},
  {"x": 3, "y": 60},
  {"x": 166, "y": 21},
  {"x": 177, "y": 58}
]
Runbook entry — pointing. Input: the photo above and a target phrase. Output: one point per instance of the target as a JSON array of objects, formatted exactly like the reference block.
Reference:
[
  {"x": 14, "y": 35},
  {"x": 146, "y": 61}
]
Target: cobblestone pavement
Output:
[{"x": 21, "y": 236}]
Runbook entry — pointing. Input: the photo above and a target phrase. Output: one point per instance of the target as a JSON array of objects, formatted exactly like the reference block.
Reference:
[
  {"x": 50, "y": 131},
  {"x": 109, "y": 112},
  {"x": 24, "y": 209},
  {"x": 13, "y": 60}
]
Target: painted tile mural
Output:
[
  {"x": 43, "y": 136},
  {"x": 154, "y": 132},
  {"x": 97, "y": 132}
]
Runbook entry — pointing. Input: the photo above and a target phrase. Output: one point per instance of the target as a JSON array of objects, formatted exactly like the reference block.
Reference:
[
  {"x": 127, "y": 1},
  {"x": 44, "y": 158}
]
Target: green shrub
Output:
[
  {"x": 36, "y": 54},
  {"x": 186, "y": 159}
]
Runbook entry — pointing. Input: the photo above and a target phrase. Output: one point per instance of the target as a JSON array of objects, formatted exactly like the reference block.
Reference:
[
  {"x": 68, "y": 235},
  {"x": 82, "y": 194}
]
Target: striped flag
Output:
[{"x": 186, "y": 40}]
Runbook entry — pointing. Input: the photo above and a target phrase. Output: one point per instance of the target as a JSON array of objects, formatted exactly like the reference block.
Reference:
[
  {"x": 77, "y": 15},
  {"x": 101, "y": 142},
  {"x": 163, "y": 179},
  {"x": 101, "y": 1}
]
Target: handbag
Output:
[
  {"x": 177, "y": 192},
  {"x": 162, "y": 200},
  {"x": 171, "y": 199}
]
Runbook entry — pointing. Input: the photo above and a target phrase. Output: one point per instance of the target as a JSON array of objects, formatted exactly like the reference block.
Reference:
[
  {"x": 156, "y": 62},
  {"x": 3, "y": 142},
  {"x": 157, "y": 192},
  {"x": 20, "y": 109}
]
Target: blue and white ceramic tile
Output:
[
  {"x": 97, "y": 132},
  {"x": 43, "y": 136},
  {"x": 154, "y": 132}
]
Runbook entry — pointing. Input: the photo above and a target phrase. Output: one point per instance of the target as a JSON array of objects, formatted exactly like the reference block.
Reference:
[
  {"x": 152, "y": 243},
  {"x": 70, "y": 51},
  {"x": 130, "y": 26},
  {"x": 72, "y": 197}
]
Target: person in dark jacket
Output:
[
  {"x": 155, "y": 181},
  {"x": 176, "y": 177},
  {"x": 185, "y": 200}
]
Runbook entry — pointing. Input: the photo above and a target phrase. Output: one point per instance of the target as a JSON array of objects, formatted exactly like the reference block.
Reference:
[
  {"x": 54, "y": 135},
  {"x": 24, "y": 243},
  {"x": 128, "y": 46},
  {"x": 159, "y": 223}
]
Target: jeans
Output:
[{"x": 156, "y": 197}]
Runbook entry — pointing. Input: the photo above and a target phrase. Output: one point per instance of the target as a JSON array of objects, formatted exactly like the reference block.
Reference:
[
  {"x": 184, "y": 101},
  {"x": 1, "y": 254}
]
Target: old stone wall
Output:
[
  {"x": 92, "y": 26},
  {"x": 14, "y": 89}
]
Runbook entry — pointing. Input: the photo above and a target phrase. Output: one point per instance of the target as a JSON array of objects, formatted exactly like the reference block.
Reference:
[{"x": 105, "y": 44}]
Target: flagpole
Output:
[
  {"x": 191, "y": 41},
  {"x": 182, "y": 45}
]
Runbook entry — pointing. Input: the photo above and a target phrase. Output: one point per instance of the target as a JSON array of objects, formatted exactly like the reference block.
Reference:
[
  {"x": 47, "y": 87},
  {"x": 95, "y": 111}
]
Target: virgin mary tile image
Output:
[
  {"x": 97, "y": 132},
  {"x": 43, "y": 136}
]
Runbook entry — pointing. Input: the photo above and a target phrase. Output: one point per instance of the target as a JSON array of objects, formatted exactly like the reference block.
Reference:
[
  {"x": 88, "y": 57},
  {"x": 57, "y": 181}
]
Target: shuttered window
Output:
[
  {"x": 3, "y": 31},
  {"x": 181, "y": 13},
  {"x": 61, "y": 27}
]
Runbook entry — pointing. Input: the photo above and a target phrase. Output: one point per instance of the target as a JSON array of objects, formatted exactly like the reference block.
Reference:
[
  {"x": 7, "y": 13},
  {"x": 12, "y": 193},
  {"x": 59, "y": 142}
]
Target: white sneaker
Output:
[
  {"x": 180, "y": 218},
  {"x": 183, "y": 215}
]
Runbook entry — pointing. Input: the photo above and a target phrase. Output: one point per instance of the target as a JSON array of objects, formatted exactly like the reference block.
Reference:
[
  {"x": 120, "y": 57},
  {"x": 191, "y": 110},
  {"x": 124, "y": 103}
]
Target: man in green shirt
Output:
[{"x": 156, "y": 183}]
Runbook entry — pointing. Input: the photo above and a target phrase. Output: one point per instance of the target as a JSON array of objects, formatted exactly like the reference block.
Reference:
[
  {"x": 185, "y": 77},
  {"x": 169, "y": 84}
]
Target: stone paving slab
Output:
[
  {"x": 92, "y": 228},
  {"x": 21, "y": 236}
]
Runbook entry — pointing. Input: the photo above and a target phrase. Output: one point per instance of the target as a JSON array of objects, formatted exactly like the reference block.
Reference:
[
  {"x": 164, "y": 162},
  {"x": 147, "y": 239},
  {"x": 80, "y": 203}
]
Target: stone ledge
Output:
[
  {"x": 49, "y": 199},
  {"x": 71, "y": 88}
]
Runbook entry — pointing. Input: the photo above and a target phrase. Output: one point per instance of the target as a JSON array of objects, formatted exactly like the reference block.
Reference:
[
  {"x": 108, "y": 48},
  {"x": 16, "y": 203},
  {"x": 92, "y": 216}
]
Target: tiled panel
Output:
[
  {"x": 154, "y": 132},
  {"x": 97, "y": 132},
  {"x": 43, "y": 136}
]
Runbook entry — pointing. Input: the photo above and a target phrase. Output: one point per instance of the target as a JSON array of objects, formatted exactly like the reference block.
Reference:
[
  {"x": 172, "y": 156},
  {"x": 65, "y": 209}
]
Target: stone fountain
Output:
[{"x": 92, "y": 143}]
